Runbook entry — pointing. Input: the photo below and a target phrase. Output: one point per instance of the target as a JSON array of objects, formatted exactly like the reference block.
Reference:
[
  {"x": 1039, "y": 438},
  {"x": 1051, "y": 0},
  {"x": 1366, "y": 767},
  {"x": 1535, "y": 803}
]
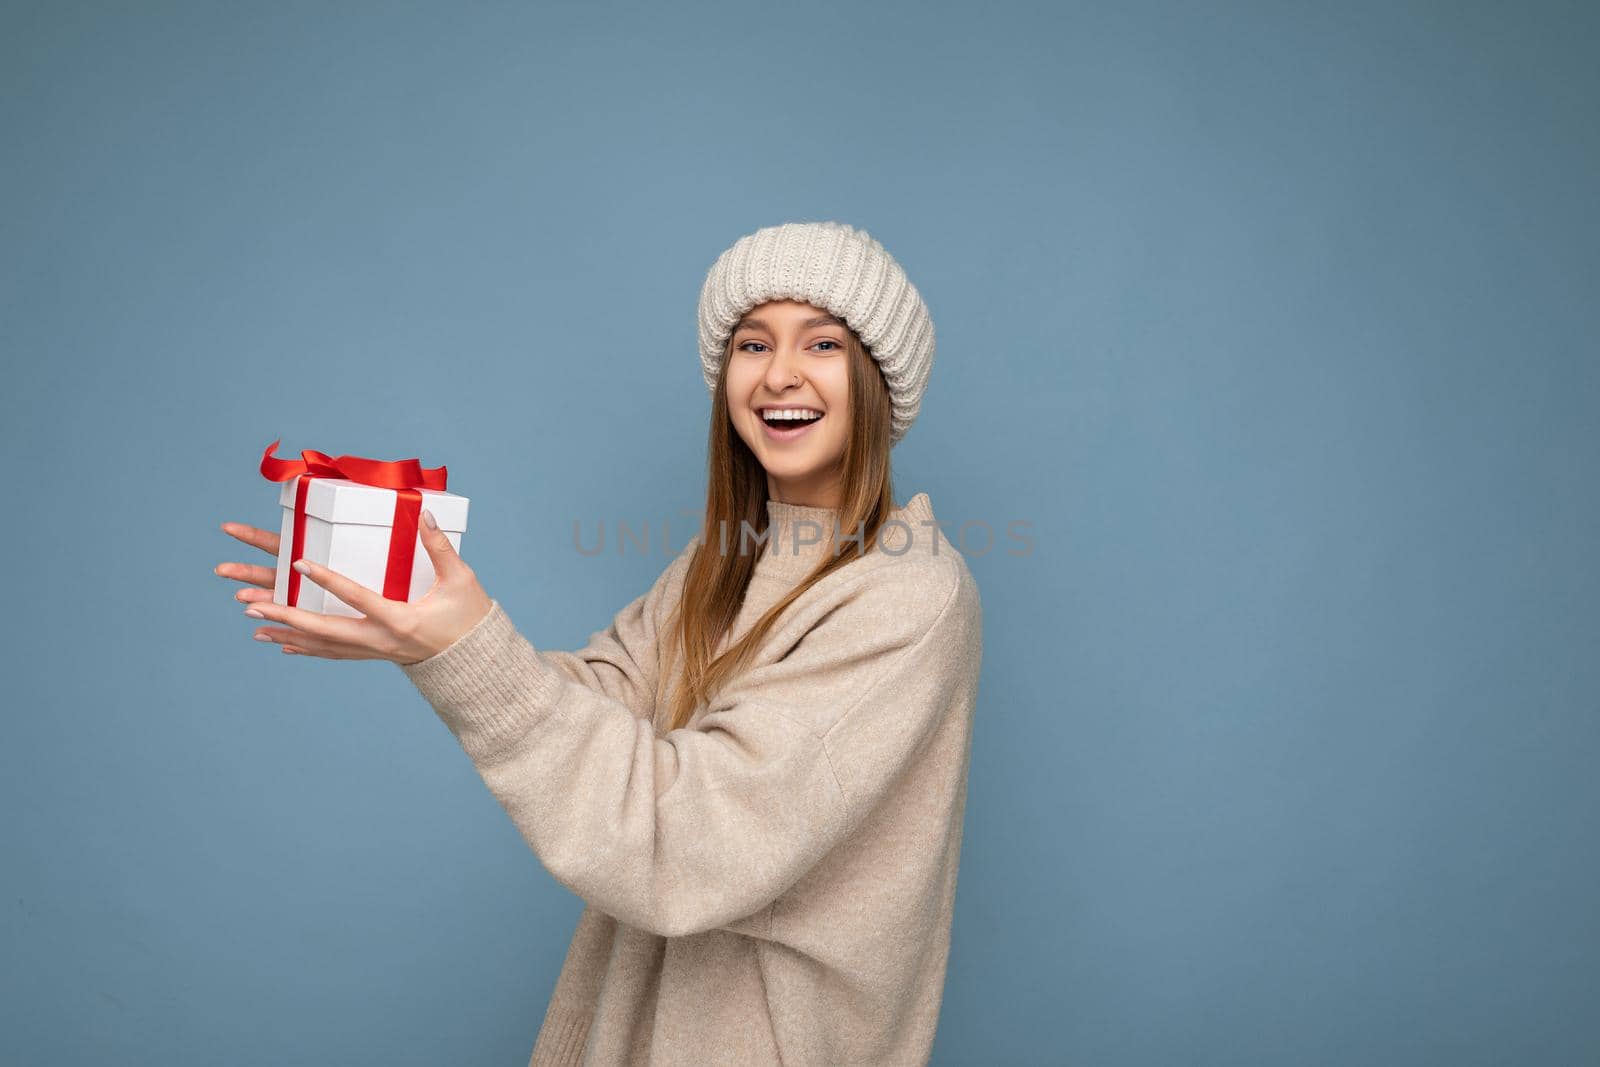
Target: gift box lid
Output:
[{"x": 344, "y": 501}]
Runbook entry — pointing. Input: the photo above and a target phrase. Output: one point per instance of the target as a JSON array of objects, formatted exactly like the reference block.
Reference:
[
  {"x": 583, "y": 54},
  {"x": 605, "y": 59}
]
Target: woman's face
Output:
[{"x": 789, "y": 356}]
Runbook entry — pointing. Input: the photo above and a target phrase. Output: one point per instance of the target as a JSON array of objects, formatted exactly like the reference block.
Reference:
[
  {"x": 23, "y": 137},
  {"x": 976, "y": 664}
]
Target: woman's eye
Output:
[{"x": 746, "y": 346}]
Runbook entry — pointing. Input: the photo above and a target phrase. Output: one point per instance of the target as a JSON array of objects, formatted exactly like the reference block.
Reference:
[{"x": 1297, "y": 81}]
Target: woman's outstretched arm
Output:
[{"x": 709, "y": 824}]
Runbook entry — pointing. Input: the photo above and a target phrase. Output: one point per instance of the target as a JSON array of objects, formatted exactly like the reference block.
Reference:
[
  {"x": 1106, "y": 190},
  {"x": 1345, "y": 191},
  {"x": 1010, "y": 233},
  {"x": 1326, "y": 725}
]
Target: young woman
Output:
[{"x": 755, "y": 777}]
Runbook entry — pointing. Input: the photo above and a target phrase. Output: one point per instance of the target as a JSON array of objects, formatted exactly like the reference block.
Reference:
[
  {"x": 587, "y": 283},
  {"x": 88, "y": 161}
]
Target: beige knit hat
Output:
[{"x": 841, "y": 269}]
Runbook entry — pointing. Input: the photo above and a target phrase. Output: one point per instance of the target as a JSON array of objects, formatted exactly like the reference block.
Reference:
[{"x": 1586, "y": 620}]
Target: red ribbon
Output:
[{"x": 406, "y": 476}]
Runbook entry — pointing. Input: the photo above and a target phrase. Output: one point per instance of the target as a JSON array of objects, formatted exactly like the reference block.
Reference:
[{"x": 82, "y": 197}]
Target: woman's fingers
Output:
[
  {"x": 340, "y": 628},
  {"x": 304, "y": 644},
  {"x": 369, "y": 602},
  {"x": 249, "y": 572},
  {"x": 265, "y": 540},
  {"x": 446, "y": 563}
]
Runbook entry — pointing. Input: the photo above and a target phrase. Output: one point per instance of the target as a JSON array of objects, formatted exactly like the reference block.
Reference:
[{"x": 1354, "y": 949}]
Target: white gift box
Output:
[{"x": 347, "y": 530}]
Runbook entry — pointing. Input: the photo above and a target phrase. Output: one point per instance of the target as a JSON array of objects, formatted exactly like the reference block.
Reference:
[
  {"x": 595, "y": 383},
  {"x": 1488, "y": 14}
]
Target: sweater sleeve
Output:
[{"x": 709, "y": 824}]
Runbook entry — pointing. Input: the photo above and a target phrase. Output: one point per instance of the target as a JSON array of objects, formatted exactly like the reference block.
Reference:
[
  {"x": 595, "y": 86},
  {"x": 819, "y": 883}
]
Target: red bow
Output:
[{"x": 406, "y": 476}]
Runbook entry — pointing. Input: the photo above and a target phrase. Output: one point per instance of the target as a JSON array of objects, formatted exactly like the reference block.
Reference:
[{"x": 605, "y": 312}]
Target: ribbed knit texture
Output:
[
  {"x": 773, "y": 883},
  {"x": 841, "y": 269}
]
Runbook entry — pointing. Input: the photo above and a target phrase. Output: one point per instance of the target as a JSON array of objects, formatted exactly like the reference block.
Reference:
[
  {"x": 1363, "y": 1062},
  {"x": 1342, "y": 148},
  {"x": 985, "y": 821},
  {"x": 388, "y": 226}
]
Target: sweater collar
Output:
[{"x": 791, "y": 526}]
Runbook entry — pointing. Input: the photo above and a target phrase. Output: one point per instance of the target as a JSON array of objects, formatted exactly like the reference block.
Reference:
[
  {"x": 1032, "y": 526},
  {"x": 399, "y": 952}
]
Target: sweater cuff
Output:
[
  {"x": 489, "y": 686},
  {"x": 562, "y": 1038}
]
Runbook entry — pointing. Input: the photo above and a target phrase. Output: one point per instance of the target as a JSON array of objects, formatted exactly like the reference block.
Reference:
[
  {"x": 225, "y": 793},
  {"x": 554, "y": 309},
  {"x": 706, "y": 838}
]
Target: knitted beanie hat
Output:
[{"x": 841, "y": 269}]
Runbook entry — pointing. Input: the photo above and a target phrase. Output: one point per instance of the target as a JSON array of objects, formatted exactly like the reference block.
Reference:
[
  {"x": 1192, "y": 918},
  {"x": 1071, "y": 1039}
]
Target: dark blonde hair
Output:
[{"x": 736, "y": 492}]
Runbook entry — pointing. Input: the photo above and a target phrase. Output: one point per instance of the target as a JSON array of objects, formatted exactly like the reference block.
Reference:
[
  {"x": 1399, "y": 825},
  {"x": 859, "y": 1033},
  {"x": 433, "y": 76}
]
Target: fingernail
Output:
[
  {"x": 301, "y": 566},
  {"x": 253, "y": 613},
  {"x": 262, "y": 637},
  {"x": 427, "y": 517}
]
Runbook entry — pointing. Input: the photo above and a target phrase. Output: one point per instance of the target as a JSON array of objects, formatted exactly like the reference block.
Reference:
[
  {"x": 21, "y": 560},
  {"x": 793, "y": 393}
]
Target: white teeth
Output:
[{"x": 792, "y": 413}]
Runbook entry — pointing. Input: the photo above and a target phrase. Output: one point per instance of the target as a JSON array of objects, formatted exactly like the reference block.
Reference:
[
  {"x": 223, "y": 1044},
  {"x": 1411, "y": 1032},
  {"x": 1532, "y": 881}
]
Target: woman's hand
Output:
[{"x": 394, "y": 630}]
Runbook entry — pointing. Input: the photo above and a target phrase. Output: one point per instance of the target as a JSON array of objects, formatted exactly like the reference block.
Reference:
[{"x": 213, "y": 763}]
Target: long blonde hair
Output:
[{"x": 736, "y": 492}]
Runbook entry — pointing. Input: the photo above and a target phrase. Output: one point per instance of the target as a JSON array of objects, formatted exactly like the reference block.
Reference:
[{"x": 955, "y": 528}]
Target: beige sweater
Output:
[{"x": 772, "y": 883}]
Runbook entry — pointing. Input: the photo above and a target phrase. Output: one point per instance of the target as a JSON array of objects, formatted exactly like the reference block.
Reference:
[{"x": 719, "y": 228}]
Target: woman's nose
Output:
[{"x": 782, "y": 370}]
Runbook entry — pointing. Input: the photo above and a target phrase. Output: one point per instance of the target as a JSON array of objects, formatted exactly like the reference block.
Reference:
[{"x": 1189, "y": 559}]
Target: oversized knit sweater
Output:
[{"x": 772, "y": 883}]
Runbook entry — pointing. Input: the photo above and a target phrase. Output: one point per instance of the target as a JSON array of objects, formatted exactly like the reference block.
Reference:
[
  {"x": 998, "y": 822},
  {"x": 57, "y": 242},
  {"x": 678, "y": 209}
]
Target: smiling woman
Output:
[{"x": 755, "y": 776}]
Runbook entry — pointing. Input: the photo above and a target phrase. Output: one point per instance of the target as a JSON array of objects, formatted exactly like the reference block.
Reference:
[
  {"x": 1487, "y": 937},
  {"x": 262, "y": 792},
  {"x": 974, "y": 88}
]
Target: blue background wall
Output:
[{"x": 1276, "y": 322}]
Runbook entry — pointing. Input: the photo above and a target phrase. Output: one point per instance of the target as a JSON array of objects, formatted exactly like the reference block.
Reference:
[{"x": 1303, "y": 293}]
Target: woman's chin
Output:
[
  {"x": 790, "y": 461},
  {"x": 786, "y": 466}
]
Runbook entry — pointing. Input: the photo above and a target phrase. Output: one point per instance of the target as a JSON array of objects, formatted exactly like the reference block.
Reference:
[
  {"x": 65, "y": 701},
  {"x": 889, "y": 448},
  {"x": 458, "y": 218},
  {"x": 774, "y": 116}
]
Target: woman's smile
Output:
[{"x": 782, "y": 430}]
